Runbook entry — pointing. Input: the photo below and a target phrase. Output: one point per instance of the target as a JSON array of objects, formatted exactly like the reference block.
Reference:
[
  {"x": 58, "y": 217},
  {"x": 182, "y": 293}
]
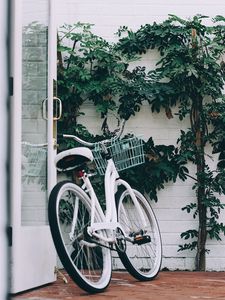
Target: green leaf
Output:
[{"x": 221, "y": 164}]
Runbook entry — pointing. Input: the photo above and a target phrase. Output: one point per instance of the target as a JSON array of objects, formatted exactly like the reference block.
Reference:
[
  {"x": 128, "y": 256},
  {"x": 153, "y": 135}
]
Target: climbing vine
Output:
[
  {"x": 92, "y": 70},
  {"x": 189, "y": 77}
]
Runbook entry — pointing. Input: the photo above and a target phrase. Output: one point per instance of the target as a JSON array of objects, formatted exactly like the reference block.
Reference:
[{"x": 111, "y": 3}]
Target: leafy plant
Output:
[
  {"x": 93, "y": 70},
  {"x": 190, "y": 75},
  {"x": 90, "y": 69},
  {"x": 162, "y": 164}
]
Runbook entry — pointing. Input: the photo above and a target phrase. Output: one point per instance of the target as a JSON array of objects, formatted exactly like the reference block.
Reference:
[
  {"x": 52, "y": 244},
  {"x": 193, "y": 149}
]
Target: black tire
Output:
[
  {"x": 88, "y": 264},
  {"x": 142, "y": 261}
]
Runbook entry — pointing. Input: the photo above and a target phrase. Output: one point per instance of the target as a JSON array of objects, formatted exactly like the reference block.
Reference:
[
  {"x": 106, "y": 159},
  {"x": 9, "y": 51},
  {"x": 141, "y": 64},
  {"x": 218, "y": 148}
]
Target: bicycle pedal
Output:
[{"x": 142, "y": 239}]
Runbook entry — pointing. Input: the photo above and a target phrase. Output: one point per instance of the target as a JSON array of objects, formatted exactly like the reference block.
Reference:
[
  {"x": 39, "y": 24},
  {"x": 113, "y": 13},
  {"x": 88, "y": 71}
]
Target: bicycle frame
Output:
[
  {"x": 109, "y": 218},
  {"x": 84, "y": 233}
]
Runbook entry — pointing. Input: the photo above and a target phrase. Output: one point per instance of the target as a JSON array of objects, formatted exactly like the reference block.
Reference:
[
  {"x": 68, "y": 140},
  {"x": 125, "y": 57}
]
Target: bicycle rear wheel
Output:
[
  {"x": 87, "y": 263},
  {"x": 143, "y": 254}
]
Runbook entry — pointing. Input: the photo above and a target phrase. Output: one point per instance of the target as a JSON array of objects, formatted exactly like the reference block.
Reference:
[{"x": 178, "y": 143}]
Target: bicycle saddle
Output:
[{"x": 73, "y": 158}]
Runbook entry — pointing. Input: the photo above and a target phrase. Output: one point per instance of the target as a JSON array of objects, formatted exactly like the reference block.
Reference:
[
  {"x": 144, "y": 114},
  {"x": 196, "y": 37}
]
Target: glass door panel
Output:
[{"x": 34, "y": 126}]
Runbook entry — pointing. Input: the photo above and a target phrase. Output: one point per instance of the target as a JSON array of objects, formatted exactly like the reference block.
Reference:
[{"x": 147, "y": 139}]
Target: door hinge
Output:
[
  {"x": 10, "y": 86},
  {"x": 9, "y": 235}
]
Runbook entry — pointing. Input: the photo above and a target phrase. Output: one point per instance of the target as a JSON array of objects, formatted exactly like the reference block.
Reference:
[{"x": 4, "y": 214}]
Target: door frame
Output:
[
  {"x": 25, "y": 274},
  {"x": 52, "y": 69}
]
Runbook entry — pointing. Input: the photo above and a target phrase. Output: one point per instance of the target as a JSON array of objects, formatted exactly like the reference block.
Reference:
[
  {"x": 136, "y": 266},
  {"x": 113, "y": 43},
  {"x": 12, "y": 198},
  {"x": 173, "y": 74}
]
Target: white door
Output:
[
  {"x": 3, "y": 151},
  {"x": 33, "y": 61}
]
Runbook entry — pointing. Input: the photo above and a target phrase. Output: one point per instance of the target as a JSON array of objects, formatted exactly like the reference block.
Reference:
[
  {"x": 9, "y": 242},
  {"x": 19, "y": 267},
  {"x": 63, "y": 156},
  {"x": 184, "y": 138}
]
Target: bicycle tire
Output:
[
  {"x": 88, "y": 264},
  {"x": 142, "y": 261}
]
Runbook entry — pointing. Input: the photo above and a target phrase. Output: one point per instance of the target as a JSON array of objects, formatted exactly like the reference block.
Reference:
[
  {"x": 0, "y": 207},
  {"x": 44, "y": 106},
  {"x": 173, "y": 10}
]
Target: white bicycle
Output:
[{"x": 84, "y": 234}]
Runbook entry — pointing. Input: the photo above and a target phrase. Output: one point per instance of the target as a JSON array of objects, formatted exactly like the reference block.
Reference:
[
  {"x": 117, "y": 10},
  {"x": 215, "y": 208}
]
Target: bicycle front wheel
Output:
[
  {"x": 143, "y": 254},
  {"x": 87, "y": 263}
]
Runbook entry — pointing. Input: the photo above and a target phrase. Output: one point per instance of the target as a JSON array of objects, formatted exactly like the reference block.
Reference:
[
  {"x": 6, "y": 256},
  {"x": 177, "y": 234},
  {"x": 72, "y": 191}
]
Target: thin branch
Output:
[
  {"x": 67, "y": 33},
  {"x": 191, "y": 177},
  {"x": 69, "y": 60}
]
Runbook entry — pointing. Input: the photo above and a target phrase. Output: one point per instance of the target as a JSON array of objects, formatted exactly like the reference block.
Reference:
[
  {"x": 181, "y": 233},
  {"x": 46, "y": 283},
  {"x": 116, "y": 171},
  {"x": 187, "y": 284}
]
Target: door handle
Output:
[
  {"x": 44, "y": 109},
  {"x": 57, "y": 109}
]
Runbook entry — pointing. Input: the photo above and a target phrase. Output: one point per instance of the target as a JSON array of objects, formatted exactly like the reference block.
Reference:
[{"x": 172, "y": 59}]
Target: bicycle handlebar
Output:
[
  {"x": 79, "y": 140},
  {"x": 91, "y": 145}
]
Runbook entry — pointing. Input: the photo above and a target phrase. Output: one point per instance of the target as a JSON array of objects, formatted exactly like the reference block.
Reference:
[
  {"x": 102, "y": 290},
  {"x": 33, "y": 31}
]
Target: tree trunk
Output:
[
  {"x": 202, "y": 233},
  {"x": 199, "y": 129}
]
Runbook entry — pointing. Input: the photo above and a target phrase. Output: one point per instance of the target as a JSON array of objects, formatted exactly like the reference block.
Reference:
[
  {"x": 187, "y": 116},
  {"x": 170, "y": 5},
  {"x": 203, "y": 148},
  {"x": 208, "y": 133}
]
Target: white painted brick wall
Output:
[{"x": 108, "y": 16}]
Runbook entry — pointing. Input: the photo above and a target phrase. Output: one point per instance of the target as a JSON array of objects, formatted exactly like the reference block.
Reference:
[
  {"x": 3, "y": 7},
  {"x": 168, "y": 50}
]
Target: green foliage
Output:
[
  {"x": 190, "y": 207},
  {"x": 162, "y": 164},
  {"x": 189, "y": 60},
  {"x": 90, "y": 69},
  {"x": 190, "y": 246},
  {"x": 189, "y": 234},
  {"x": 66, "y": 211},
  {"x": 216, "y": 115},
  {"x": 189, "y": 75}
]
